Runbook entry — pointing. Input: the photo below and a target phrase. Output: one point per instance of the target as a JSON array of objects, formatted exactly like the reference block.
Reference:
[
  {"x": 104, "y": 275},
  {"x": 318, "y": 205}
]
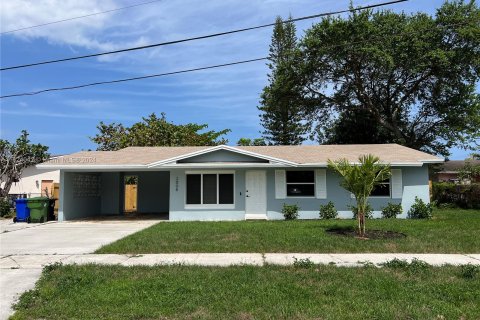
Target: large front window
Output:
[
  {"x": 301, "y": 183},
  {"x": 210, "y": 189}
]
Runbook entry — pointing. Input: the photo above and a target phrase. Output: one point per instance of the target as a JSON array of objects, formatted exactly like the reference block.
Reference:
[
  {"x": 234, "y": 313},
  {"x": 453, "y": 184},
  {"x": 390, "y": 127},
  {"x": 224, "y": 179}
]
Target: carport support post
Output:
[{"x": 61, "y": 195}]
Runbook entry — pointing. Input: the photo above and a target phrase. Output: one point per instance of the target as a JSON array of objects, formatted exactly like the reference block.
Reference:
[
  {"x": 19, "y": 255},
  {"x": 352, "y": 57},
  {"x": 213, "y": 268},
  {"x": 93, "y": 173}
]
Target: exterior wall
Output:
[
  {"x": 31, "y": 181},
  {"x": 153, "y": 191},
  {"x": 111, "y": 200},
  {"x": 414, "y": 183},
  {"x": 162, "y": 191},
  {"x": 177, "y": 200},
  {"x": 73, "y": 206}
]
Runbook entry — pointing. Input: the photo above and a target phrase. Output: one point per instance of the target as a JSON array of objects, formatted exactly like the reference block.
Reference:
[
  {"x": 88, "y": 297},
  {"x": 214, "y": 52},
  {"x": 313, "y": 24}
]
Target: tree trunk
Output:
[
  {"x": 361, "y": 223},
  {"x": 6, "y": 188}
]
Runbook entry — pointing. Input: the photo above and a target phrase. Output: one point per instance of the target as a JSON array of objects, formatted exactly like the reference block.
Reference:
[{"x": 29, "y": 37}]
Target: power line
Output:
[
  {"x": 209, "y": 67},
  {"x": 202, "y": 37},
  {"x": 79, "y": 17},
  {"x": 204, "y": 68},
  {"x": 131, "y": 79}
]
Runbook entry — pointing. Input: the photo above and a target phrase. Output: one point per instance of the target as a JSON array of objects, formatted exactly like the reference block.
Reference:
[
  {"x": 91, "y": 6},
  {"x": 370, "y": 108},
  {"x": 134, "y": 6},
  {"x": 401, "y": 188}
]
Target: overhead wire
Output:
[
  {"x": 200, "y": 37},
  {"x": 351, "y": 43},
  {"x": 80, "y": 17},
  {"x": 132, "y": 78}
]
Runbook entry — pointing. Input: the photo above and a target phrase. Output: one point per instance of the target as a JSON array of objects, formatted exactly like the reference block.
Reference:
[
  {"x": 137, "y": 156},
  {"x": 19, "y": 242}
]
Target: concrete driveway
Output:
[{"x": 52, "y": 238}]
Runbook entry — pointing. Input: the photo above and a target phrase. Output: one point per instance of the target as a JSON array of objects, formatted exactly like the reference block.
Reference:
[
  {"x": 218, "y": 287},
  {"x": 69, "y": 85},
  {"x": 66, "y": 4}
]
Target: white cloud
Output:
[
  {"x": 162, "y": 21},
  {"x": 16, "y": 14}
]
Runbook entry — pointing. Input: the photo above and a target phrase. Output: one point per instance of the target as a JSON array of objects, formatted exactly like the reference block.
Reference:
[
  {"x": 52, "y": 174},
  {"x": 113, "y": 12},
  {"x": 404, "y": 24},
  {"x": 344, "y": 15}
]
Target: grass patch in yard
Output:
[
  {"x": 248, "y": 292},
  {"x": 450, "y": 231}
]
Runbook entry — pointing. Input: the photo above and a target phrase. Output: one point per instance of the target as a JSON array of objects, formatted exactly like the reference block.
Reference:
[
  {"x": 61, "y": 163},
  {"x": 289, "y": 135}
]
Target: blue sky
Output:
[{"x": 223, "y": 98}]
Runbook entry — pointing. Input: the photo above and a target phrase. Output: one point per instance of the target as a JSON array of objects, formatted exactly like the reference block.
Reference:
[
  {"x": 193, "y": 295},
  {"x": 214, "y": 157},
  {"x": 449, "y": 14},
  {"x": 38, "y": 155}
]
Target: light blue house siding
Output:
[{"x": 414, "y": 183}]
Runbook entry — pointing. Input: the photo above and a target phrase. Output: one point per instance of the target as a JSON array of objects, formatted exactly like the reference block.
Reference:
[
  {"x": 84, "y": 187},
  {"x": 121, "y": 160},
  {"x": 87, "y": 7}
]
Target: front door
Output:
[{"x": 256, "y": 194}]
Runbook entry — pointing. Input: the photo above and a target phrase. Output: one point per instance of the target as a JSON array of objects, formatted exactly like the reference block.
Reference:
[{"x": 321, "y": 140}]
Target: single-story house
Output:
[
  {"x": 35, "y": 182},
  {"x": 450, "y": 170},
  {"x": 229, "y": 183}
]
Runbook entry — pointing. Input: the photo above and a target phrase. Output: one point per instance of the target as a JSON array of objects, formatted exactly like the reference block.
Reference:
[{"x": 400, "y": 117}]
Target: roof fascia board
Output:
[
  {"x": 87, "y": 167},
  {"x": 433, "y": 161},
  {"x": 394, "y": 164},
  {"x": 224, "y": 165}
]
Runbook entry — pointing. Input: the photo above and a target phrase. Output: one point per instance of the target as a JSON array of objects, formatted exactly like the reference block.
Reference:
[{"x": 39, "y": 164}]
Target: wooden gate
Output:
[
  {"x": 56, "y": 195},
  {"x": 131, "y": 198}
]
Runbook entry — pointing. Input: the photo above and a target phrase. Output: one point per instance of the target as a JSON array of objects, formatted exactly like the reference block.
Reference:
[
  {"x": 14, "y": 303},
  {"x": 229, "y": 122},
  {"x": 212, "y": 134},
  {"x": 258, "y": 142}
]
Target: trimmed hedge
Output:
[{"x": 463, "y": 196}]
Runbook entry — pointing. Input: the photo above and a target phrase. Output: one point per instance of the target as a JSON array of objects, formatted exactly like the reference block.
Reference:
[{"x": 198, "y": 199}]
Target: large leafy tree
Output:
[
  {"x": 251, "y": 142},
  {"x": 354, "y": 126},
  {"x": 156, "y": 131},
  {"x": 15, "y": 157},
  {"x": 360, "y": 180},
  {"x": 414, "y": 76},
  {"x": 280, "y": 113}
]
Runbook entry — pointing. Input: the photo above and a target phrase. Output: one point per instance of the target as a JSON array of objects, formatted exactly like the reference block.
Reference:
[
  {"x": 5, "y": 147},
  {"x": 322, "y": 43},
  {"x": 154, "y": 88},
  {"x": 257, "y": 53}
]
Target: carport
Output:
[{"x": 103, "y": 193}]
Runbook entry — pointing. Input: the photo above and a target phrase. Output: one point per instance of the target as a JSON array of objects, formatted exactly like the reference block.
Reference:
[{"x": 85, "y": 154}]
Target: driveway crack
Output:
[{"x": 471, "y": 257}]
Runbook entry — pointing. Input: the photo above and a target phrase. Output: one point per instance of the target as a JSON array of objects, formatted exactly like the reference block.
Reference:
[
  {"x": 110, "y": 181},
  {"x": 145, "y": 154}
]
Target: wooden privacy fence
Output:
[{"x": 130, "y": 197}]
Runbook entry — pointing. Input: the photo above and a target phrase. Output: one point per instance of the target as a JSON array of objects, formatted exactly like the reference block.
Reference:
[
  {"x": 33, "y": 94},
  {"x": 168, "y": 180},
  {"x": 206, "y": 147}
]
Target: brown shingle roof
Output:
[
  {"x": 305, "y": 154},
  {"x": 320, "y": 154},
  {"x": 456, "y": 165}
]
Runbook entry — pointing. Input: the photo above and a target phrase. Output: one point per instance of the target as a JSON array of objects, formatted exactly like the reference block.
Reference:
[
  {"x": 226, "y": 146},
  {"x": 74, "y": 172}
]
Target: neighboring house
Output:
[
  {"x": 229, "y": 183},
  {"x": 449, "y": 171},
  {"x": 34, "y": 181}
]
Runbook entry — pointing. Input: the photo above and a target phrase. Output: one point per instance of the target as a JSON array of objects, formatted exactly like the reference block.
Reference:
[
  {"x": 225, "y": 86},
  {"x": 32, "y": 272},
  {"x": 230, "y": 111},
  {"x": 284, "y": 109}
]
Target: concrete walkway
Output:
[
  {"x": 19, "y": 272},
  {"x": 26, "y": 248},
  {"x": 39, "y": 243},
  {"x": 32, "y": 261}
]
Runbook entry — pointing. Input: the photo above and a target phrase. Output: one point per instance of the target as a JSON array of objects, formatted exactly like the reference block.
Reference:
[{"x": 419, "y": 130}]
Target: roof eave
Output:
[{"x": 89, "y": 167}]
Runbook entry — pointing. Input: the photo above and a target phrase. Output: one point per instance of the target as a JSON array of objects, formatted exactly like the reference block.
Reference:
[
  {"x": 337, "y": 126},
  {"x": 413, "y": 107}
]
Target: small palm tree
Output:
[{"x": 360, "y": 180}]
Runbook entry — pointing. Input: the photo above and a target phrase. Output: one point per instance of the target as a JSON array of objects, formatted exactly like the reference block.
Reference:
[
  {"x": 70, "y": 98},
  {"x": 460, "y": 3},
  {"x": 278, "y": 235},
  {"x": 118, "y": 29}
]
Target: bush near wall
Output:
[{"x": 463, "y": 196}]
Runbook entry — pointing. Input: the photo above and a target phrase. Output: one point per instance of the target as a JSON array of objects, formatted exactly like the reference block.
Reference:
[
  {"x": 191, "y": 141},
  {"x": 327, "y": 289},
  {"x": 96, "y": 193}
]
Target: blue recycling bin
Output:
[{"x": 23, "y": 212}]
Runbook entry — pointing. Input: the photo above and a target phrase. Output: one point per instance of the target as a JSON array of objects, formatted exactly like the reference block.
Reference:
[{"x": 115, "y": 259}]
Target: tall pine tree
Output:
[{"x": 280, "y": 112}]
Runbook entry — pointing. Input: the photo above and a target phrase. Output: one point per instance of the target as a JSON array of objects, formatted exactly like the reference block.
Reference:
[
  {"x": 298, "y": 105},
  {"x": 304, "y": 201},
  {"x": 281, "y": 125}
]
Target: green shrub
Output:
[
  {"x": 368, "y": 211},
  {"x": 5, "y": 207},
  {"x": 328, "y": 211},
  {"x": 463, "y": 196},
  {"x": 414, "y": 267},
  {"x": 290, "y": 211},
  {"x": 420, "y": 210},
  {"x": 391, "y": 210},
  {"x": 469, "y": 271},
  {"x": 303, "y": 263}
]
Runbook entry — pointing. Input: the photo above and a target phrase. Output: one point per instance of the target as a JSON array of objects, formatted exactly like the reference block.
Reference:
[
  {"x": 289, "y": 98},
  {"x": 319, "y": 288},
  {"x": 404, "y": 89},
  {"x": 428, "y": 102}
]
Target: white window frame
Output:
[
  {"x": 210, "y": 205},
  {"x": 299, "y": 197}
]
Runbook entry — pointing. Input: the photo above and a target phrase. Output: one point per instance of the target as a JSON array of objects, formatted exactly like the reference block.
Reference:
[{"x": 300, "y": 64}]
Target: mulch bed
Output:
[{"x": 370, "y": 234}]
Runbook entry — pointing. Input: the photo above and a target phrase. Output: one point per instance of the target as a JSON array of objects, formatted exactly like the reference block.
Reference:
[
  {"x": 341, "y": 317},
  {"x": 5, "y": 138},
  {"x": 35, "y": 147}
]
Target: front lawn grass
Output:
[
  {"x": 248, "y": 292},
  {"x": 450, "y": 231}
]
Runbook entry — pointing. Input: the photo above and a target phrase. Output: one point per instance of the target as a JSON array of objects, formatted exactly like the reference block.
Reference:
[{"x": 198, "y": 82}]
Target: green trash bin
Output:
[{"x": 38, "y": 209}]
